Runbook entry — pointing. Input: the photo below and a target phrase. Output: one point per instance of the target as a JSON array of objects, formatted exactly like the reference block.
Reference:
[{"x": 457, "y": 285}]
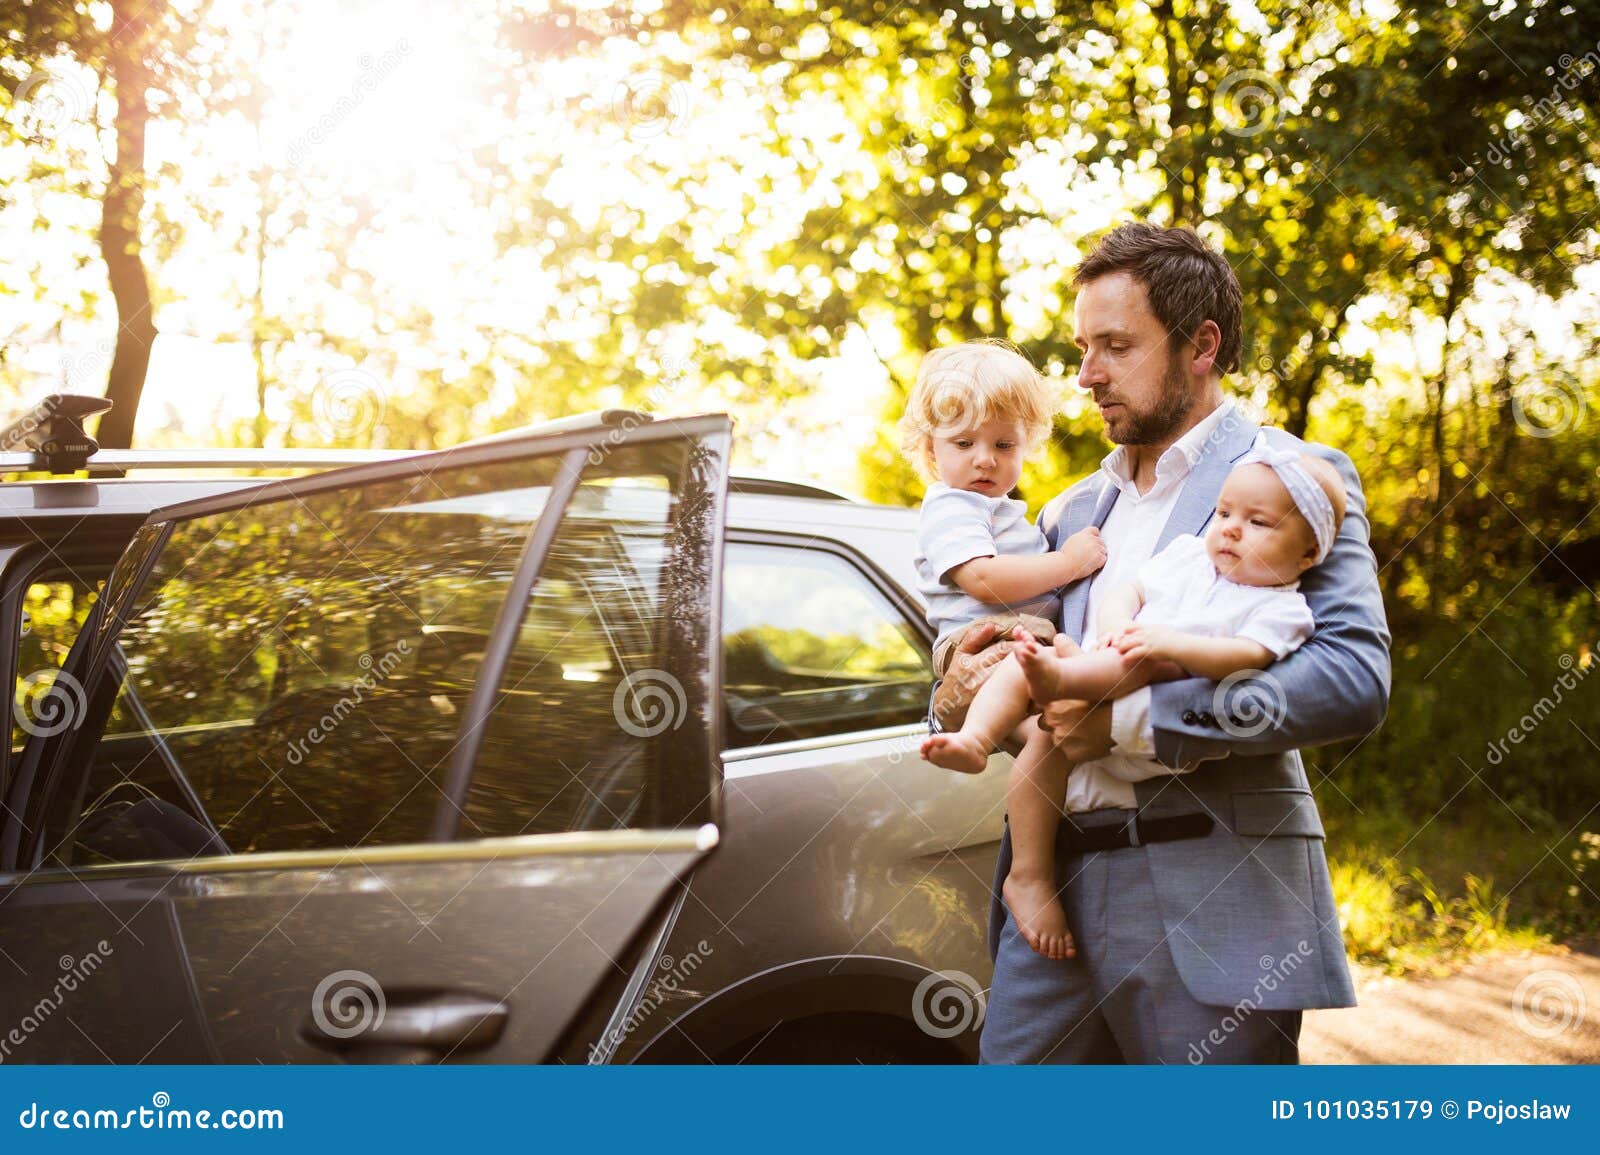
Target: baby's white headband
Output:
[{"x": 1309, "y": 497}]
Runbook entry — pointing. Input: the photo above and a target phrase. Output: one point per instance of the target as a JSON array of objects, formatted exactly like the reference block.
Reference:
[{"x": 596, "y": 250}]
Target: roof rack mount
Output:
[{"x": 53, "y": 431}]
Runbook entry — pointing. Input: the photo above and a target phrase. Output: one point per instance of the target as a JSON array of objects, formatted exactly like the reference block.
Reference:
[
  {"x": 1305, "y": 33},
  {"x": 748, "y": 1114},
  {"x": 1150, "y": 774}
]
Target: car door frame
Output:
[{"x": 39, "y": 771}]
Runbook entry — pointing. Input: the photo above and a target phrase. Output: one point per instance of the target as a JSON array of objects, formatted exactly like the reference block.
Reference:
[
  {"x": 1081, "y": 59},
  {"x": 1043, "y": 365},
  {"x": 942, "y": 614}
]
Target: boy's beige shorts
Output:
[{"x": 1040, "y": 628}]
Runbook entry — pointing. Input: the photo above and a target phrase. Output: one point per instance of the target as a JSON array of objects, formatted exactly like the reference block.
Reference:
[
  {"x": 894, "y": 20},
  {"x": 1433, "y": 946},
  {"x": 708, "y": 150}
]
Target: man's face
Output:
[{"x": 1128, "y": 363}]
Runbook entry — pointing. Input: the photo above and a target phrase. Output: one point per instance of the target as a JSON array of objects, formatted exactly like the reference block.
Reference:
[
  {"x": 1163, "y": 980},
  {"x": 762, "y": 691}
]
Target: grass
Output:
[{"x": 1417, "y": 902}]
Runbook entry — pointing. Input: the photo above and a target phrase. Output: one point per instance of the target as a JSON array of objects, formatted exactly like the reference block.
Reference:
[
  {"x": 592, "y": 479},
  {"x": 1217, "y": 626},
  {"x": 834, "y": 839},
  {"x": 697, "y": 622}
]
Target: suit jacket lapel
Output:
[{"x": 1228, "y": 442}]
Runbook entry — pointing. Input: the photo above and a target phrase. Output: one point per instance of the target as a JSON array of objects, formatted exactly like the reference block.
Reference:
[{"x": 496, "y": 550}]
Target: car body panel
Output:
[{"x": 848, "y": 872}]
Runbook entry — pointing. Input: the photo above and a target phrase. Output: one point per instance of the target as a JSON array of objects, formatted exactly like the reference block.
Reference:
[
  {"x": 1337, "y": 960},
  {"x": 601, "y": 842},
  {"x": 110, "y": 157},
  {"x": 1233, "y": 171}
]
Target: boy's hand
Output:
[{"x": 1085, "y": 552}]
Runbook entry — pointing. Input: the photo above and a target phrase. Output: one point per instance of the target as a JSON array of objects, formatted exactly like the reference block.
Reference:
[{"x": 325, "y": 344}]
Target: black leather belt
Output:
[{"x": 1134, "y": 832}]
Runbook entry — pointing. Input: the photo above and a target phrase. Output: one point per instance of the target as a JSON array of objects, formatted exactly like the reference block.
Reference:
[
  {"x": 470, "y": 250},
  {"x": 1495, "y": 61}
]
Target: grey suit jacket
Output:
[{"x": 1249, "y": 910}]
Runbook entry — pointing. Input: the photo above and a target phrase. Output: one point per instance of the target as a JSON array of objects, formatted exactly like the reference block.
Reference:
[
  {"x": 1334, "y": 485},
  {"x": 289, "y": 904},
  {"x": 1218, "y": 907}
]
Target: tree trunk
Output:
[
  {"x": 258, "y": 310},
  {"x": 121, "y": 212},
  {"x": 1455, "y": 293},
  {"x": 1182, "y": 171}
]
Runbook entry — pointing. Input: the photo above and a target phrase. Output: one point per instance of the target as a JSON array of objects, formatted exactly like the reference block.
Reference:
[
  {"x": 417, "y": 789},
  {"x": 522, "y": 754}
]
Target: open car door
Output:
[{"x": 399, "y": 762}]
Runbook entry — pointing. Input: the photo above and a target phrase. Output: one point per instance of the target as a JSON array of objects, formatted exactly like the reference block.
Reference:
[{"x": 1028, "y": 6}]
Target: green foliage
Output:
[
  {"x": 1407, "y": 197},
  {"x": 1421, "y": 898},
  {"x": 1401, "y": 923}
]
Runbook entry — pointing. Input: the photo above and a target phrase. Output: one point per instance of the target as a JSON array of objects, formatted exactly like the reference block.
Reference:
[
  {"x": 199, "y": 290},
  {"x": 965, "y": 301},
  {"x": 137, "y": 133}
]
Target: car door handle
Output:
[{"x": 412, "y": 1027}]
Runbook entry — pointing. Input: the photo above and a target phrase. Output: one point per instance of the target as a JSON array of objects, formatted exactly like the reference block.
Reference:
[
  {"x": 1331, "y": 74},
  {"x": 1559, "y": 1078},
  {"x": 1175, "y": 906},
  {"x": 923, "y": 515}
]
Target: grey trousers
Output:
[{"x": 1121, "y": 999}]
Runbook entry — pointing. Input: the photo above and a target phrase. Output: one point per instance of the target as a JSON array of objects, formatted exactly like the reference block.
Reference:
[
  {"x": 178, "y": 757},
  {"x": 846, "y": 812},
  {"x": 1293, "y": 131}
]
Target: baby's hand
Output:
[
  {"x": 1135, "y": 641},
  {"x": 1110, "y": 633},
  {"x": 1086, "y": 552}
]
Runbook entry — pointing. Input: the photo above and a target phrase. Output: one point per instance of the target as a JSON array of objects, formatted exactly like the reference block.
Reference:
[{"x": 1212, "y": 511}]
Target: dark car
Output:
[{"x": 560, "y": 746}]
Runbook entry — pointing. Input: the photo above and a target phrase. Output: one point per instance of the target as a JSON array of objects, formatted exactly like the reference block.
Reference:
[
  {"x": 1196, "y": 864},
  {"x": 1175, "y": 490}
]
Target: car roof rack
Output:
[
  {"x": 51, "y": 433},
  {"x": 49, "y": 438},
  {"x": 114, "y": 463}
]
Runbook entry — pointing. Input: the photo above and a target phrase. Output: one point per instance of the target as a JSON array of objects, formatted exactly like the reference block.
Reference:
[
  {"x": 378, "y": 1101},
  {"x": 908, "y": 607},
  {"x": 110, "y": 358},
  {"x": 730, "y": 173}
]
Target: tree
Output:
[{"x": 136, "y": 50}]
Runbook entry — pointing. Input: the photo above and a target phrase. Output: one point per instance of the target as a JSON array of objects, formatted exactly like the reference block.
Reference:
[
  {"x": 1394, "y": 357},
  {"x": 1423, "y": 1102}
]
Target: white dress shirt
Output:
[{"x": 1130, "y": 533}]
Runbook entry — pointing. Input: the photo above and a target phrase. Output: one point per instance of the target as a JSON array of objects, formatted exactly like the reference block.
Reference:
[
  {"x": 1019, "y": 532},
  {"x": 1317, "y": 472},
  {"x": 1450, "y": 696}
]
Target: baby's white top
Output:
[
  {"x": 1184, "y": 591},
  {"x": 957, "y": 526}
]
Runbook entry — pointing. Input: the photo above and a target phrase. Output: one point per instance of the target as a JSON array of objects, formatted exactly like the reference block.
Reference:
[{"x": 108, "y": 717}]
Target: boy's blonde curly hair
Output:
[{"x": 959, "y": 387}]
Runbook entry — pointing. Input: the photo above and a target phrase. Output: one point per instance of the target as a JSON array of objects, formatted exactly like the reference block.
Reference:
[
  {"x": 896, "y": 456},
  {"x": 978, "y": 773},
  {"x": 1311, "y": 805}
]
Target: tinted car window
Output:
[
  {"x": 812, "y": 647},
  {"x": 583, "y": 694},
  {"x": 297, "y": 672}
]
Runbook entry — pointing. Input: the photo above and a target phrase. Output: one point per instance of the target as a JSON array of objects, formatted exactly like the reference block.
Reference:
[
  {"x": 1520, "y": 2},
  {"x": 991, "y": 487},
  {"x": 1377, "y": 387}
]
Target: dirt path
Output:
[{"x": 1474, "y": 1016}]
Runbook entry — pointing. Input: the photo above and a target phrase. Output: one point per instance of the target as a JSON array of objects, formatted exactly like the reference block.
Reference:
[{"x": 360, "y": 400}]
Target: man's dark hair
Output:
[{"x": 1188, "y": 282}]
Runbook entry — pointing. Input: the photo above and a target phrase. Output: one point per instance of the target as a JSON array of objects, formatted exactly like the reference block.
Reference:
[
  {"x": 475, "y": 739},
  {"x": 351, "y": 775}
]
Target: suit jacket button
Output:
[{"x": 1190, "y": 718}]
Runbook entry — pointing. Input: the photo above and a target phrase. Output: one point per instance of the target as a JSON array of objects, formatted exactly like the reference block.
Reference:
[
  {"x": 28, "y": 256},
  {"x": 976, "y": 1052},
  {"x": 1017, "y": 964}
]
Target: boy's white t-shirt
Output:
[
  {"x": 957, "y": 526},
  {"x": 1183, "y": 591}
]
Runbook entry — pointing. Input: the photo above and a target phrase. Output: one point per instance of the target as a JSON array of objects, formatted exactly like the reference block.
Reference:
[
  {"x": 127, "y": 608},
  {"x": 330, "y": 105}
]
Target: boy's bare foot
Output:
[
  {"x": 956, "y": 752},
  {"x": 1039, "y": 916},
  {"x": 1041, "y": 667}
]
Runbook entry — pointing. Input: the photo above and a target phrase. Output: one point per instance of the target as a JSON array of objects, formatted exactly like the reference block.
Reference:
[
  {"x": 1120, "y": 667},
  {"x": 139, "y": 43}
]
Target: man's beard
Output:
[{"x": 1158, "y": 424}]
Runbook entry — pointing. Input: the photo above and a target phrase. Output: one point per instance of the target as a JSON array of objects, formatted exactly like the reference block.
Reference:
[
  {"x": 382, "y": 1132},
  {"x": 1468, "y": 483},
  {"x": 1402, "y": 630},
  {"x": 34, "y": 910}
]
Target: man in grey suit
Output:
[{"x": 1193, "y": 877}]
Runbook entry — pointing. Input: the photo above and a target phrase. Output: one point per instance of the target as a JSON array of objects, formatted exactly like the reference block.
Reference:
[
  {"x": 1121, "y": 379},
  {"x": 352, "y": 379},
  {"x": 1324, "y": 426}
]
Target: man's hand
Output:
[
  {"x": 1082, "y": 730},
  {"x": 971, "y": 663}
]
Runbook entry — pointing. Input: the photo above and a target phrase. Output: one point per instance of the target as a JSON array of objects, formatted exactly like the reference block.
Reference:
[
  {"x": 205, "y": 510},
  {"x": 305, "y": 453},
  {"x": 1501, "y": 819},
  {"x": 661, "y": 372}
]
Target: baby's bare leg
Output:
[
  {"x": 999, "y": 708},
  {"x": 1034, "y": 796},
  {"x": 1091, "y": 677}
]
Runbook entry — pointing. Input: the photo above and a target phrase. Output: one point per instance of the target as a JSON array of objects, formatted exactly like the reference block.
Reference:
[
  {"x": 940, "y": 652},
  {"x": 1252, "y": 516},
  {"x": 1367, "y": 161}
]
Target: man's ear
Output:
[{"x": 1206, "y": 341}]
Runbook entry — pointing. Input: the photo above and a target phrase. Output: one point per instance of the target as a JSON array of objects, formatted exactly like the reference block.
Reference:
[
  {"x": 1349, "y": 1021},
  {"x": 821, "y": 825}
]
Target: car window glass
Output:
[
  {"x": 812, "y": 647},
  {"x": 302, "y": 665},
  {"x": 297, "y": 672},
  {"x": 585, "y": 706}
]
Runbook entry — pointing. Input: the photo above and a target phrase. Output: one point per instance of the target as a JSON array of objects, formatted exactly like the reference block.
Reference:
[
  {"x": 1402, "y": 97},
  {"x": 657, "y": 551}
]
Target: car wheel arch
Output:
[{"x": 838, "y": 987}]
